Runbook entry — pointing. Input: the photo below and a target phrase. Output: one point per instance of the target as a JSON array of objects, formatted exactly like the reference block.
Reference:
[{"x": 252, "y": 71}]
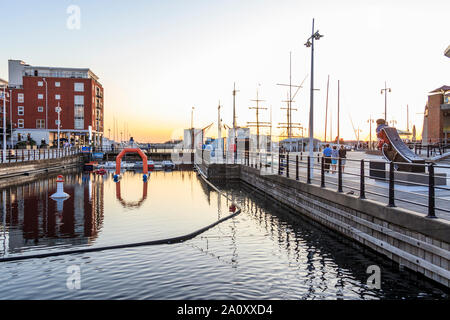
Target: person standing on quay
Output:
[
  {"x": 334, "y": 158},
  {"x": 343, "y": 156},
  {"x": 327, "y": 155}
]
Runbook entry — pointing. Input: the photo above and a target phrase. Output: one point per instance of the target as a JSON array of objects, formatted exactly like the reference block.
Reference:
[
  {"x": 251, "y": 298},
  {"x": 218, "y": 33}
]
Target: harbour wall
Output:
[
  {"x": 17, "y": 169},
  {"x": 406, "y": 237}
]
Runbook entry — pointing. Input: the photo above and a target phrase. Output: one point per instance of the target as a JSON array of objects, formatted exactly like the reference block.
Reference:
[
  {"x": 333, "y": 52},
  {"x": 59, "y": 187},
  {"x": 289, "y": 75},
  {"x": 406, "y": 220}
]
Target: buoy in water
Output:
[{"x": 59, "y": 194}]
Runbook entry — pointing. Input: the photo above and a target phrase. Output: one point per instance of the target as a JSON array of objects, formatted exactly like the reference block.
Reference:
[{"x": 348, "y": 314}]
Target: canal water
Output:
[{"x": 265, "y": 252}]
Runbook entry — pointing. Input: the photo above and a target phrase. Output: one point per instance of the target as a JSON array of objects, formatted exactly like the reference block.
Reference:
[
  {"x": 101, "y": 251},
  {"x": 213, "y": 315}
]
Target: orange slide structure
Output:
[{"x": 131, "y": 150}]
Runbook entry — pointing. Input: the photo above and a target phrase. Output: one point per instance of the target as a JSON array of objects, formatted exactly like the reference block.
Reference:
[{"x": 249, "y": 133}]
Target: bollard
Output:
[
  {"x": 59, "y": 194},
  {"x": 339, "y": 174},
  {"x": 322, "y": 173},
  {"x": 391, "y": 185},
  {"x": 431, "y": 198},
  {"x": 279, "y": 164},
  {"x": 296, "y": 167},
  {"x": 287, "y": 165},
  {"x": 362, "y": 186},
  {"x": 308, "y": 173}
]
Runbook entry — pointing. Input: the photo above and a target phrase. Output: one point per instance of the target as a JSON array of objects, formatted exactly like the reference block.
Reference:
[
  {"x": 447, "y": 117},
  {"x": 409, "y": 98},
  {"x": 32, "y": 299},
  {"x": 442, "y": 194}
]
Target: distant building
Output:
[
  {"x": 436, "y": 125},
  {"x": 37, "y": 91}
]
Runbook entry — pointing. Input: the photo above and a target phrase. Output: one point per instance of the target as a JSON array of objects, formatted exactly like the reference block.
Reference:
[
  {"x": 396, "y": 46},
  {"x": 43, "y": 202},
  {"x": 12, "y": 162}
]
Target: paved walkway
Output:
[{"x": 414, "y": 198}]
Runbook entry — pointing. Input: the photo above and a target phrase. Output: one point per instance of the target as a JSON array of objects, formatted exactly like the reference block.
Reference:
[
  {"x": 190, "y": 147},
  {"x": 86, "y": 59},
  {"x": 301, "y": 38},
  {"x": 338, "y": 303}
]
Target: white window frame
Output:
[
  {"x": 57, "y": 97},
  {"x": 20, "y": 110},
  {"x": 20, "y": 123},
  {"x": 78, "y": 87},
  {"x": 40, "y": 109},
  {"x": 40, "y": 96},
  {"x": 20, "y": 97},
  {"x": 57, "y": 84},
  {"x": 41, "y": 123},
  {"x": 40, "y": 83}
]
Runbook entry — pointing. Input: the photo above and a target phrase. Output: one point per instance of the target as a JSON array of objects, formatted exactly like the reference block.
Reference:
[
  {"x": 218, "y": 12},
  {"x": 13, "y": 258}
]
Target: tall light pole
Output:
[
  {"x": 10, "y": 119},
  {"x": 4, "y": 124},
  {"x": 58, "y": 110},
  {"x": 310, "y": 43},
  {"x": 385, "y": 90},
  {"x": 46, "y": 103},
  {"x": 234, "y": 105}
]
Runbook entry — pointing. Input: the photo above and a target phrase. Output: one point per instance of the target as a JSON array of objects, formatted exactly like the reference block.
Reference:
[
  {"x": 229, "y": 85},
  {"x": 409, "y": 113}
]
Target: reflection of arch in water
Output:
[
  {"x": 132, "y": 204},
  {"x": 131, "y": 150}
]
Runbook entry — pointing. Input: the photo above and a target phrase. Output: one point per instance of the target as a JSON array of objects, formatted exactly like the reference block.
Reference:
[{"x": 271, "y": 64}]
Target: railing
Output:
[
  {"x": 24, "y": 155},
  {"x": 424, "y": 190}
]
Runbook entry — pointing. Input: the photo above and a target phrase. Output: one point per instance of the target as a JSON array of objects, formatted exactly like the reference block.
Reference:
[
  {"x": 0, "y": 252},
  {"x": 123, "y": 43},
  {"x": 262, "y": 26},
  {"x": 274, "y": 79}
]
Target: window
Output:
[
  {"x": 57, "y": 84},
  {"x": 40, "y": 124},
  {"x": 20, "y": 123},
  {"x": 79, "y": 116},
  {"x": 79, "y": 100},
  {"x": 20, "y": 110},
  {"x": 20, "y": 97},
  {"x": 40, "y": 109},
  {"x": 40, "y": 84},
  {"x": 79, "y": 87},
  {"x": 57, "y": 97},
  {"x": 40, "y": 96}
]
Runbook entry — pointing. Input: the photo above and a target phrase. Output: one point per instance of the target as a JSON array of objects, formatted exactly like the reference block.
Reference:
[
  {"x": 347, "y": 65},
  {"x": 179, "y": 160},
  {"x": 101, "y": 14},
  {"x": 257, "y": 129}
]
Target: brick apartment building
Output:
[
  {"x": 436, "y": 125},
  {"x": 37, "y": 91}
]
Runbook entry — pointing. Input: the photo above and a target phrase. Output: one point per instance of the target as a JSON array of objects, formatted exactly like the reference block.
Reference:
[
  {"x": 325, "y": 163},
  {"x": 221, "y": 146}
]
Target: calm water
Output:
[{"x": 263, "y": 253}]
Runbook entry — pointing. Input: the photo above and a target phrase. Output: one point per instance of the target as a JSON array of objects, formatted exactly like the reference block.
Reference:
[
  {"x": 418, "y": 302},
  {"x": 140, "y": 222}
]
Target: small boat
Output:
[
  {"x": 158, "y": 166},
  {"x": 168, "y": 165},
  {"x": 100, "y": 171},
  {"x": 151, "y": 165},
  {"x": 90, "y": 166}
]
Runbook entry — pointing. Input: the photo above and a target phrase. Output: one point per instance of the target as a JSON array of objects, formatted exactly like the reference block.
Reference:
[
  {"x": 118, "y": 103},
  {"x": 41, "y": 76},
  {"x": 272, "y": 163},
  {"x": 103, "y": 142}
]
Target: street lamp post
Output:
[
  {"x": 10, "y": 119},
  {"x": 58, "y": 110},
  {"x": 385, "y": 90},
  {"x": 310, "y": 43},
  {"x": 4, "y": 124}
]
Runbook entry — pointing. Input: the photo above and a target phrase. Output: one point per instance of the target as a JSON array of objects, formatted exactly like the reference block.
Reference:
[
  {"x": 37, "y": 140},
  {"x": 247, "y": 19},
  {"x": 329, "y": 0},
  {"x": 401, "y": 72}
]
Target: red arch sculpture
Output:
[{"x": 130, "y": 150}]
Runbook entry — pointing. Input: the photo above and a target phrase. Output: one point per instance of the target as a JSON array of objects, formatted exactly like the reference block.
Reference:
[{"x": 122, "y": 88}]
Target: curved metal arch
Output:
[{"x": 131, "y": 150}]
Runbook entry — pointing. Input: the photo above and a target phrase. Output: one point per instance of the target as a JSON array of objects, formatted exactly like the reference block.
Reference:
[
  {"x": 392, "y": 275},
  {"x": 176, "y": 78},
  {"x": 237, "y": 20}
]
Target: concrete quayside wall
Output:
[
  {"x": 406, "y": 237},
  {"x": 8, "y": 170}
]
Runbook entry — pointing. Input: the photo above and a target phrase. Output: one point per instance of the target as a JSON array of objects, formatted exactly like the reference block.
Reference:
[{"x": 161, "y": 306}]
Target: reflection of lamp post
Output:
[{"x": 310, "y": 43}]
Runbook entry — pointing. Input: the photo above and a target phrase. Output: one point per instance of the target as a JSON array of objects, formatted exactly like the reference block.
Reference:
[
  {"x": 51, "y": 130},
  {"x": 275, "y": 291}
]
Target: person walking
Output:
[
  {"x": 327, "y": 157},
  {"x": 334, "y": 158},
  {"x": 343, "y": 156}
]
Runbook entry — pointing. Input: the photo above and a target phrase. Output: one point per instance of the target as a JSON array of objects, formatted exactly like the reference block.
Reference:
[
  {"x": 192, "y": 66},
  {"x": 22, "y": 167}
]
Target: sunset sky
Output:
[{"x": 157, "y": 59}]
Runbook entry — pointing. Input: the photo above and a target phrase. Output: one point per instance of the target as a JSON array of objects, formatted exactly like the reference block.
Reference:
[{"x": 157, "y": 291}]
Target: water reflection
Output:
[
  {"x": 32, "y": 218},
  {"x": 321, "y": 263},
  {"x": 266, "y": 252},
  {"x": 130, "y": 204}
]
